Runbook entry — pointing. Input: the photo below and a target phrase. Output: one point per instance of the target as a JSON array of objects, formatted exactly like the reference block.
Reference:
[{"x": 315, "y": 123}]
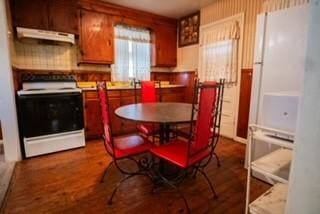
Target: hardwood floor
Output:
[{"x": 68, "y": 182}]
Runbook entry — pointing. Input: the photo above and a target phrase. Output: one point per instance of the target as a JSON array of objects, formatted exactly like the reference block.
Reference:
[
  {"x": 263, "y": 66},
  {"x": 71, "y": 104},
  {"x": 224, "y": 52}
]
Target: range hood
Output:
[{"x": 46, "y": 35}]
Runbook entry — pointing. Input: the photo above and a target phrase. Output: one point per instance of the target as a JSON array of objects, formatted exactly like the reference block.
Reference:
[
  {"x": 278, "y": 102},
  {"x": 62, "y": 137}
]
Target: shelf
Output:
[
  {"x": 275, "y": 165},
  {"x": 273, "y": 201},
  {"x": 267, "y": 138}
]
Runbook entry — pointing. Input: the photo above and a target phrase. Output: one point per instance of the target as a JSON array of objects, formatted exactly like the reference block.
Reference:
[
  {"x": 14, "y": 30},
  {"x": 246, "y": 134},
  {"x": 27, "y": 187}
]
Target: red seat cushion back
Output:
[
  {"x": 205, "y": 117},
  {"x": 104, "y": 106},
  {"x": 148, "y": 92}
]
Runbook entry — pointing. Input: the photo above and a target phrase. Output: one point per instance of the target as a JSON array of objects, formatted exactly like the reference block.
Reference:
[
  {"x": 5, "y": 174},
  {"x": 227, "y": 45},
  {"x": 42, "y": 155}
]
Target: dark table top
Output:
[{"x": 156, "y": 112}]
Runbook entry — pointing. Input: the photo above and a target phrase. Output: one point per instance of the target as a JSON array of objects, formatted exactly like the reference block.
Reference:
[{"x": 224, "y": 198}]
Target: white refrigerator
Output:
[{"x": 278, "y": 64}]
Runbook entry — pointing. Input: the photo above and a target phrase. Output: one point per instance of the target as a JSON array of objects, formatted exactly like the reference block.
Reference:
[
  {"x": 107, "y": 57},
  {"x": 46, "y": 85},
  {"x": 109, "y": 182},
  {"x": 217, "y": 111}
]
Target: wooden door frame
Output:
[{"x": 240, "y": 18}]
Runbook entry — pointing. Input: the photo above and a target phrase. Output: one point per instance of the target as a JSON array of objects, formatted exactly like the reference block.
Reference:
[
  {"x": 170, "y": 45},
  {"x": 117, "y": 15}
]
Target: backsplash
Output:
[{"x": 32, "y": 55}]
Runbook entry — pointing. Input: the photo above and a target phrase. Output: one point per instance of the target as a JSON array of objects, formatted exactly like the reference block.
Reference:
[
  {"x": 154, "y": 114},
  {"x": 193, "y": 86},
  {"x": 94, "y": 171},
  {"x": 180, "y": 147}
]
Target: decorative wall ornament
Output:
[{"x": 189, "y": 29}]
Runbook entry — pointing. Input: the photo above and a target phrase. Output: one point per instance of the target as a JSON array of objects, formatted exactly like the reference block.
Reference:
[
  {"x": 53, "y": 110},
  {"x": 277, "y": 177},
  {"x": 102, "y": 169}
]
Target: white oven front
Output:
[{"x": 35, "y": 146}]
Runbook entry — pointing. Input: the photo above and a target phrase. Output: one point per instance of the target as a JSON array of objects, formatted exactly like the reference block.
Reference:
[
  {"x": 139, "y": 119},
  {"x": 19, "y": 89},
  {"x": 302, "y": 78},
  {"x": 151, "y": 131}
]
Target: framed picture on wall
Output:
[{"x": 189, "y": 29}]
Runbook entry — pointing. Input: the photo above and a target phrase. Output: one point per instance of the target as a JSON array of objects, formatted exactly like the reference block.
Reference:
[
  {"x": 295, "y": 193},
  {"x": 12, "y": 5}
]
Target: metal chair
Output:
[
  {"x": 196, "y": 153},
  {"x": 148, "y": 95},
  {"x": 120, "y": 148},
  {"x": 184, "y": 130}
]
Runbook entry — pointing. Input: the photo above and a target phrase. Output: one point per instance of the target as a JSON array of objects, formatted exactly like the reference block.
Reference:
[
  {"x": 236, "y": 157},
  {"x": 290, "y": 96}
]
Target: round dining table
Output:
[{"x": 164, "y": 114}]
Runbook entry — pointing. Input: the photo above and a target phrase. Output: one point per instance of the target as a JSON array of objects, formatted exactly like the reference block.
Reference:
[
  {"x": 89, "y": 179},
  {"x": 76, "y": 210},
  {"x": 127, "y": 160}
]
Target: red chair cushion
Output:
[
  {"x": 130, "y": 145},
  {"x": 176, "y": 152},
  {"x": 148, "y": 129}
]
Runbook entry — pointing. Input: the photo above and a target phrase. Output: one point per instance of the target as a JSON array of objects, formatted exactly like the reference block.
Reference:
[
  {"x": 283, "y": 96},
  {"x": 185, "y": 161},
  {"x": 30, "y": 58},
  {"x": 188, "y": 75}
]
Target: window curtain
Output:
[
  {"x": 133, "y": 54},
  {"x": 273, "y": 5},
  {"x": 219, "y": 52}
]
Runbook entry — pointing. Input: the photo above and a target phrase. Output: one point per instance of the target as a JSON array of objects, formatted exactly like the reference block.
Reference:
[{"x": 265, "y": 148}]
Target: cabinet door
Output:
[
  {"x": 93, "y": 123},
  {"x": 63, "y": 16},
  {"x": 96, "y": 38},
  {"x": 172, "y": 94},
  {"x": 30, "y": 14},
  {"x": 165, "y": 46},
  {"x": 126, "y": 125},
  {"x": 114, "y": 103}
]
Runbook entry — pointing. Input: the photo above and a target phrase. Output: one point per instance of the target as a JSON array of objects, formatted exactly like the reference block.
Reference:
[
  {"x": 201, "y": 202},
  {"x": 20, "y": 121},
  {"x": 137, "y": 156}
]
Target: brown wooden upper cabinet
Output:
[
  {"x": 165, "y": 42},
  {"x": 96, "y": 38},
  {"x": 55, "y": 15}
]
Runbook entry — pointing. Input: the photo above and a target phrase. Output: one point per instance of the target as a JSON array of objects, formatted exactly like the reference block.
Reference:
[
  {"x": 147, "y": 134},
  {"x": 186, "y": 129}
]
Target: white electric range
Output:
[{"x": 50, "y": 110}]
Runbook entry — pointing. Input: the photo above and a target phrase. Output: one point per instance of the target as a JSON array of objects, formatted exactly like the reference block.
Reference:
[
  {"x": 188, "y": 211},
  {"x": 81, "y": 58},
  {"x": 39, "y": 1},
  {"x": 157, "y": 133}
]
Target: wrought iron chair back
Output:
[
  {"x": 206, "y": 107},
  {"x": 205, "y": 116},
  {"x": 106, "y": 122}
]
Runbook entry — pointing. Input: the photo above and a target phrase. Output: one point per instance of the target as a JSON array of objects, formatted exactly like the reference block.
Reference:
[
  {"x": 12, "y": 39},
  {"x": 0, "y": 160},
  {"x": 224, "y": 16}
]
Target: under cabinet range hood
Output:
[{"x": 45, "y": 35}]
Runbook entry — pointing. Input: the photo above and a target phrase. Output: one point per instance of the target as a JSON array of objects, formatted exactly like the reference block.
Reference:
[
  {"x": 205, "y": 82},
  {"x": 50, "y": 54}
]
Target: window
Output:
[
  {"x": 132, "y": 54},
  {"x": 219, "y": 61},
  {"x": 219, "y": 52}
]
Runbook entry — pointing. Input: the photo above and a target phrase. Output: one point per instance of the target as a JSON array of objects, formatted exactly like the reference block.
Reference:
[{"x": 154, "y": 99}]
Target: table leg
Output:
[
  {"x": 162, "y": 133},
  {"x": 167, "y": 132}
]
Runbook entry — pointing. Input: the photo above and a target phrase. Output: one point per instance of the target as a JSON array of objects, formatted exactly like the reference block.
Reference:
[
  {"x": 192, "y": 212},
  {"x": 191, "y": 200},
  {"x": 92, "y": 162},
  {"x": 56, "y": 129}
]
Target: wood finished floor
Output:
[{"x": 68, "y": 182}]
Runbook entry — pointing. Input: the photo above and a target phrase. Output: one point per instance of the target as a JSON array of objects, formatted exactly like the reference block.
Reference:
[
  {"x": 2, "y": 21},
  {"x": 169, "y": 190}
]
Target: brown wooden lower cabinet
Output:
[
  {"x": 117, "y": 98},
  {"x": 93, "y": 124},
  {"x": 114, "y": 103},
  {"x": 173, "y": 95}
]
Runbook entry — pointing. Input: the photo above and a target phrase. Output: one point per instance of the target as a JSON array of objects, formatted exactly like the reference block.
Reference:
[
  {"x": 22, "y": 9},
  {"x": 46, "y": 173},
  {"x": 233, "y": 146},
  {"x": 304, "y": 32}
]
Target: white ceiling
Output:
[{"x": 168, "y": 8}]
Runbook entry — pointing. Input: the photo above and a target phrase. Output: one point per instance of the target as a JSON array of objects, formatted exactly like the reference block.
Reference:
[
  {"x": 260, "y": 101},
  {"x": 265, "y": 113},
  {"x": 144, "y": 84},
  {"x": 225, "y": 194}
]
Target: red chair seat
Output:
[
  {"x": 148, "y": 129},
  {"x": 176, "y": 152},
  {"x": 130, "y": 145}
]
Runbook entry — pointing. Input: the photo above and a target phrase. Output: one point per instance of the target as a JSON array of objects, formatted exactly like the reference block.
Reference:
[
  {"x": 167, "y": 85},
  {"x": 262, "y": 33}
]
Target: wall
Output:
[
  {"x": 39, "y": 55},
  {"x": 31, "y": 54},
  {"x": 36, "y": 55},
  {"x": 220, "y": 9},
  {"x": 8, "y": 115},
  {"x": 272, "y": 5},
  {"x": 304, "y": 185}
]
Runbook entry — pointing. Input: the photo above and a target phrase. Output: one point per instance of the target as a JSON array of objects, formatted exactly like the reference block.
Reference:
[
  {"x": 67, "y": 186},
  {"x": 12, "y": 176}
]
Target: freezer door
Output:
[{"x": 284, "y": 51}]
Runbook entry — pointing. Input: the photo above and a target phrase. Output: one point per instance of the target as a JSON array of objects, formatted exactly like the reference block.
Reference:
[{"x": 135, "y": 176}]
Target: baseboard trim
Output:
[{"x": 240, "y": 140}]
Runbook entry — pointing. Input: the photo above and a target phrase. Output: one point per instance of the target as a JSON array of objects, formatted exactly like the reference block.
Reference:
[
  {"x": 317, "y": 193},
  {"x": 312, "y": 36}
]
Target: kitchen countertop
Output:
[{"x": 91, "y": 87}]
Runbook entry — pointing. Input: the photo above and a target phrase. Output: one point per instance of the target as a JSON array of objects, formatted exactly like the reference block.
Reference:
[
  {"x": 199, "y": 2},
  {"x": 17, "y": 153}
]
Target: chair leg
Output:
[
  {"x": 218, "y": 160},
  {"x": 123, "y": 180},
  {"x": 209, "y": 182},
  {"x": 116, "y": 188},
  {"x": 166, "y": 181},
  {"x": 181, "y": 195},
  {"x": 195, "y": 174},
  {"x": 105, "y": 172}
]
